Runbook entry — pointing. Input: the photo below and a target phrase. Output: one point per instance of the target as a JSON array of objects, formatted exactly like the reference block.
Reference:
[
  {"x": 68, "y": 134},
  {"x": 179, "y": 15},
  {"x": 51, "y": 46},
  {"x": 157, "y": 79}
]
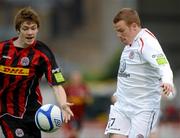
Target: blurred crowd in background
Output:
[{"x": 81, "y": 35}]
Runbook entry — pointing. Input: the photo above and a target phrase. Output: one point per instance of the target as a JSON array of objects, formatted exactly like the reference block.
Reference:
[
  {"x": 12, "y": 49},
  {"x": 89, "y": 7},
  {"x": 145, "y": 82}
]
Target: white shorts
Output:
[{"x": 133, "y": 125}]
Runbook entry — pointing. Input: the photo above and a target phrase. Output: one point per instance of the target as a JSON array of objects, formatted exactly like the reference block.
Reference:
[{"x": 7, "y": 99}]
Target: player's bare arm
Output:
[{"x": 62, "y": 100}]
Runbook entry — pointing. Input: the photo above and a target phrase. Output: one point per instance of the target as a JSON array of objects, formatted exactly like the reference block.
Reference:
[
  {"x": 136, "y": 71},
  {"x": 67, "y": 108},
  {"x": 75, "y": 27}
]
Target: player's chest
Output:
[
  {"x": 18, "y": 63},
  {"x": 23, "y": 58},
  {"x": 131, "y": 56}
]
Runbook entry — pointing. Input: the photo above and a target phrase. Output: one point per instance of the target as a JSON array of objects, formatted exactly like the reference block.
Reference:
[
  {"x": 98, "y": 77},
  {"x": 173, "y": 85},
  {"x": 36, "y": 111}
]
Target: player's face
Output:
[
  {"x": 124, "y": 32},
  {"x": 28, "y": 33}
]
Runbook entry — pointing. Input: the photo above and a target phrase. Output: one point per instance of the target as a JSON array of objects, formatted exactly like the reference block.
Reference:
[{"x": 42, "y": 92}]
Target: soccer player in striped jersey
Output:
[
  {"x": 23, "y": 61},
  {"x": 144, "y": 74}
]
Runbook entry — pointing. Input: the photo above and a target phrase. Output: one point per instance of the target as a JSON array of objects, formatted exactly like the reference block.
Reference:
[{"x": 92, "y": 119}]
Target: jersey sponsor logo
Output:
[
  {"x": 25, "y": 61},
  {"x": 131, "y": 55},
  {"x": 19, "y": 132},
  {"x": 14, "y": 70},
  {"x": 122, "y": 69},
  {"x": 122, "y": 66},
  {"x": 59, "y": 77}
]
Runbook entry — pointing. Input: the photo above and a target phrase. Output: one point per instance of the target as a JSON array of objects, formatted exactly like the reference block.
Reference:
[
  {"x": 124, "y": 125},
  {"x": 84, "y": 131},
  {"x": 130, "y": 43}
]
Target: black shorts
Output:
[{"x": 19, "y": 128}]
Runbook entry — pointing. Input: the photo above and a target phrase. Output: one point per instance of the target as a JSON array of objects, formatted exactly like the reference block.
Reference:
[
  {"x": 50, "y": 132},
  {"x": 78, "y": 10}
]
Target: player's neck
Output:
[{"x": 19, "y": 43}]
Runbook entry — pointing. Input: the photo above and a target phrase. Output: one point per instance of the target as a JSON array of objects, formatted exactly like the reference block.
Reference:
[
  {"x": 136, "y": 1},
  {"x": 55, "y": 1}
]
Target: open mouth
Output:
[{"x": 29, "y": 38}]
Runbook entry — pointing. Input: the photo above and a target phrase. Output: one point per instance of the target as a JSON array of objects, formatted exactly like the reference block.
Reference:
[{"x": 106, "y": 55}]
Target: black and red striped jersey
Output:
[{"x": 20, "y": 73}]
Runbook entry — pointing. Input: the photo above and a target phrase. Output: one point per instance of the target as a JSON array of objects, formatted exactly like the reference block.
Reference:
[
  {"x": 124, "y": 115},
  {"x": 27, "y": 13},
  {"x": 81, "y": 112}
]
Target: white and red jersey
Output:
[{"x": 143, "y": 67}]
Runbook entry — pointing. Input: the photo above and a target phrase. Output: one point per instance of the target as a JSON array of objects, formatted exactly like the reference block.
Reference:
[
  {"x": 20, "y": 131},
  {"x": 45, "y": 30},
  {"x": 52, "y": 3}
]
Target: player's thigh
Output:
[
  {"x": 118, "y": 123},
  {"x": 142, "y": 124}
]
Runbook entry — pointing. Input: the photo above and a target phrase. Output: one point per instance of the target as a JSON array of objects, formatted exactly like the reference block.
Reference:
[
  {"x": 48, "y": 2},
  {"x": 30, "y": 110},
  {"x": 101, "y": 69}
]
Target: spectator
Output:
[{"x": 78, "y": 93}]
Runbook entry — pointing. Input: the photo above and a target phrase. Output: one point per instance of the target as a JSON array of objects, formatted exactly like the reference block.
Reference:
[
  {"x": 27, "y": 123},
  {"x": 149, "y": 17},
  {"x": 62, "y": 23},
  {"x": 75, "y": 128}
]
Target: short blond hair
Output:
[{"x": 128, "y": 15}]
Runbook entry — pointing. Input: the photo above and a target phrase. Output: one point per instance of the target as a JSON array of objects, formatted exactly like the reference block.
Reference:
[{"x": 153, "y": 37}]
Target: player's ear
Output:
[{"x": 134, "y": 25}]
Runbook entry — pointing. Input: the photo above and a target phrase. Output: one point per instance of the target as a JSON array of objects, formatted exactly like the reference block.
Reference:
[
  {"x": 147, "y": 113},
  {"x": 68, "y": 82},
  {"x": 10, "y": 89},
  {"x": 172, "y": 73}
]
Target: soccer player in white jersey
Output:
[{"x": 144, "y": 74}]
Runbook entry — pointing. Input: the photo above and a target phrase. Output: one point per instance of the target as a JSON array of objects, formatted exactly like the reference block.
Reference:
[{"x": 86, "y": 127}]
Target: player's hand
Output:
[
  {"x": 167, "y": 88},
  {"x": 67, "y": 113}
]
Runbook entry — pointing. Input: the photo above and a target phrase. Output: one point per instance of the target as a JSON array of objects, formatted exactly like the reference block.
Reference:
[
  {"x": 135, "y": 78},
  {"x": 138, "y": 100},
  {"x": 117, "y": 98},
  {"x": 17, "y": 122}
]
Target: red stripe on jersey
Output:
[
  {"x": 1, "y": 47},
  {"x": 49, "y": 73},
  {"x": 9, "y": 96},
  {"x": 8, "y": 131},
  {"x": 24, "y": 99},
  {"x": 142, "y": 44},
  {"x": 10, "y": 107},
  {"x": 49, "y": 67},
  {"x": 35, "y": 60},
  {"x": 150, "y": 33}
]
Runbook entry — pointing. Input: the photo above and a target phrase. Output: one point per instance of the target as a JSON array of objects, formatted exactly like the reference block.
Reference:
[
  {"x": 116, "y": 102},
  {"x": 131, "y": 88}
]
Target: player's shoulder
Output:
[
  {"x": 41, "y": 45},
  {"x": 147, "y": 35},
  {"x": 43, "y": 48},
  {"x": 4, "y": 42}
]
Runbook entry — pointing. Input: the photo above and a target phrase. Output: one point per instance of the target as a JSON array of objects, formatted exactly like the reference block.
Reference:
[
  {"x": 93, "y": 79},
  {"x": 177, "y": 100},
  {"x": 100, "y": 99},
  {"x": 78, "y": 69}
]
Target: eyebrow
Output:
[{"x": 29, "y": 26}]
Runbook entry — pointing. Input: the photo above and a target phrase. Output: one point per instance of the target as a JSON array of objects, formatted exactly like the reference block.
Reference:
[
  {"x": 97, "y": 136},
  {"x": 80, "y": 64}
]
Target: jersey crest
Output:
[{"x": 25, "y": 61}]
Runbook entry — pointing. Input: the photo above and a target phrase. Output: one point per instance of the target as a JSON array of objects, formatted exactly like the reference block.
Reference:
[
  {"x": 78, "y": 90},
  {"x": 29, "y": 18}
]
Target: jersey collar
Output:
[
  {"x": 14, "y": 38},
  {"x": 139, "y": 34}
]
